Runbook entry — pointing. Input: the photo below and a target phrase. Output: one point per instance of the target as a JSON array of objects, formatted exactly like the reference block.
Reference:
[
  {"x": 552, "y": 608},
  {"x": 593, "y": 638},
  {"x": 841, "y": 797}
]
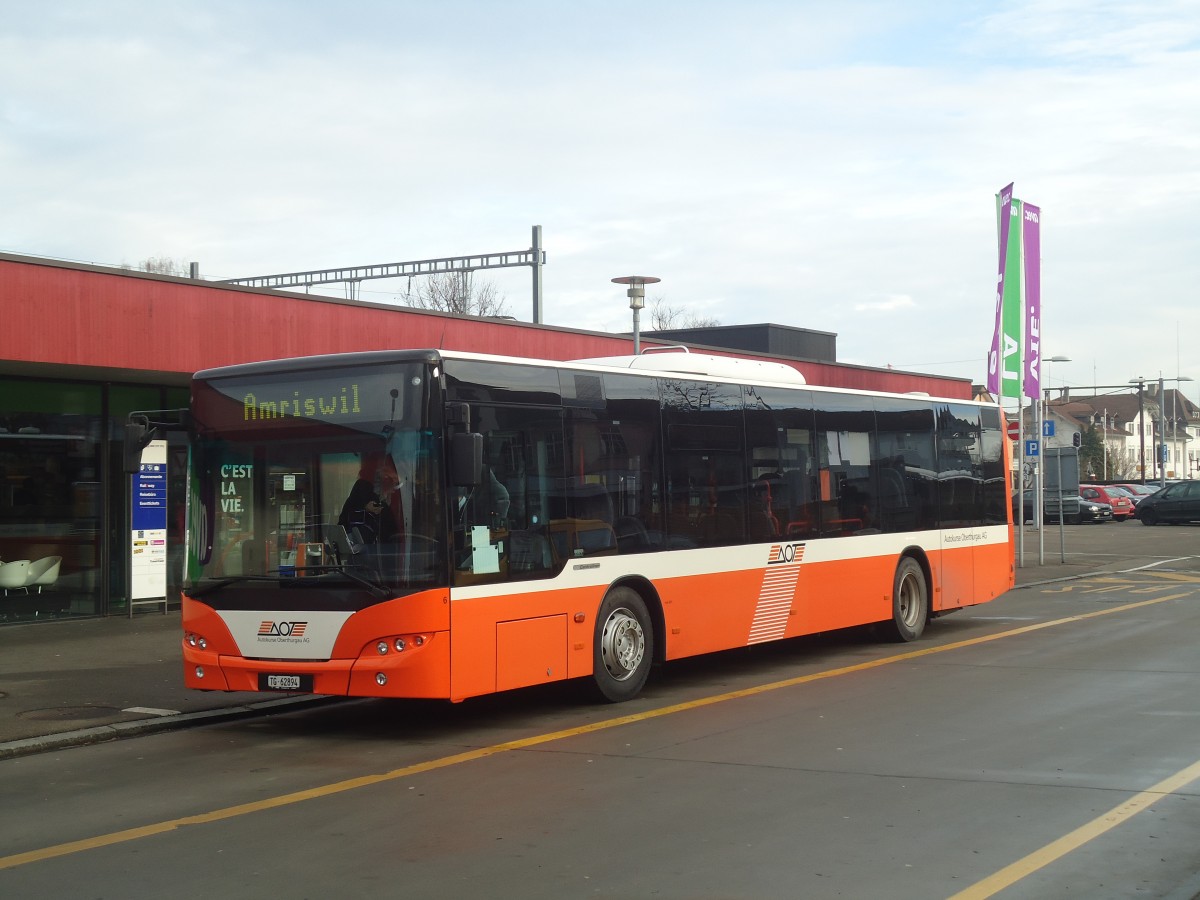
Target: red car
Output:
[
  {"x": 1122, "y": 505},
  {"x": 1140, "y": 491}
]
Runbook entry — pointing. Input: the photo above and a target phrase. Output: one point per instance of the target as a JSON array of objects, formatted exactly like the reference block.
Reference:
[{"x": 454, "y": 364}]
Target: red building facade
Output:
[{"x": 82, "y": 346}]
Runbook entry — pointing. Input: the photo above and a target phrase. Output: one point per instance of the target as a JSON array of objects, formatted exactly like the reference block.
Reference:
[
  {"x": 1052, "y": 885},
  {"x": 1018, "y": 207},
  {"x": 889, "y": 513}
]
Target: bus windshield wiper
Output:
[
  {"x": 376, "y": 588},
  {"x": 217, "y": 583}
]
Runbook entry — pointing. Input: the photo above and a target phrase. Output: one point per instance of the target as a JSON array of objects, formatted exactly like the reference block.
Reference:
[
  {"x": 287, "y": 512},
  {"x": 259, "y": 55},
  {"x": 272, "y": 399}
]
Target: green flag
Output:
[{"x": 1010, "y": 333}]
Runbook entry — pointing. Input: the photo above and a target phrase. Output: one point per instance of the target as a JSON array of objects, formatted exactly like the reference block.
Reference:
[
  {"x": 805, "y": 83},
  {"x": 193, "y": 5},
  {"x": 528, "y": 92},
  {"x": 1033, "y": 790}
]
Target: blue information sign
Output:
[
  {"x": 1031, "y": 448},
  {"x": 150, "y": 496},
  {"x": 1048, "y": 428},
  {"x": 148, "y": 532}
]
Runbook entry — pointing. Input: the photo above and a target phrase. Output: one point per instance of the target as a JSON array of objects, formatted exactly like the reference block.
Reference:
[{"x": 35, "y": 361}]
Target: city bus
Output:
[{"x": 437, "y": 524}]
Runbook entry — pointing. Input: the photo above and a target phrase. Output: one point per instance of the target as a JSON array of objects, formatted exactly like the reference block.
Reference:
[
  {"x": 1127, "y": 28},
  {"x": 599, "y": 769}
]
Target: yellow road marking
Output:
[
  {"x": 1146, "y": 582},
  {"x": 230, "y": 812},
  {"x": 1022, "y": 868},
  {"x": 1177, "y": 576},
  {"x": 1147, "y": 577}
]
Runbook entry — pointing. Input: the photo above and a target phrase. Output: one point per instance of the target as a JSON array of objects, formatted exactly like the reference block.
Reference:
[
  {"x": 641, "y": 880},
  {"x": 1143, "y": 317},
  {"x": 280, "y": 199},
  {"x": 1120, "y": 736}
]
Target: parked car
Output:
[
  {"x": 1140, "y": 491},
  {"x": 1089, "y": 510},
  {"x": 1075, "y": 509},
  {"x": 1179, "y": 502},
  {"x": 1125, "y": 492},
  {"x": 1122, "y": 504}
]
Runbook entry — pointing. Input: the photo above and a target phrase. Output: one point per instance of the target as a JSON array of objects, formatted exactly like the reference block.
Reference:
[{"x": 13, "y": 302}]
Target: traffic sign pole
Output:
[{"x": 1021, "y": 490}]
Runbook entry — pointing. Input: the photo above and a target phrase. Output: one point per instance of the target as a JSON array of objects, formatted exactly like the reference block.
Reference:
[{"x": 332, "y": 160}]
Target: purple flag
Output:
[
  {"x": 1003, "y": 213},
  {"x": 1031, "y": 231}
]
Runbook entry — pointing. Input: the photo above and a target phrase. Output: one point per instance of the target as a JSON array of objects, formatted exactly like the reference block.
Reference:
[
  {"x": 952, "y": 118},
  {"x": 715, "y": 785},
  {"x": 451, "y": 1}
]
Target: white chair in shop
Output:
[
  {"x": 44, "y": 572},
  {"x": 15, "y": 576}
]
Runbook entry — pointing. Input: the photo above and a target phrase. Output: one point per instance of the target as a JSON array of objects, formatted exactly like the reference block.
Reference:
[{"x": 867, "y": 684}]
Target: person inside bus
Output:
[
  {"x": 369, "y": 506},
  {"x": 764, "y": 524}
]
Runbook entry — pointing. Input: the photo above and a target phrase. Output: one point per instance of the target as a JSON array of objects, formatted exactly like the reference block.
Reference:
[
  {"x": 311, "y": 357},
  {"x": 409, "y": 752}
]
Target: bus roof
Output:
[
  {"x": 684, "y": 362},
  {"x": 681, "y": 363}
]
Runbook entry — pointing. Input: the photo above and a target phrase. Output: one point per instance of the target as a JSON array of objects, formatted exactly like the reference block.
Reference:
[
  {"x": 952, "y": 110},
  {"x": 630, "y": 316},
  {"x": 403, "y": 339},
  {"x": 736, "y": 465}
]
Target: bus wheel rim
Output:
[
  {"x": 622, "y": 644},
  {"x": 909, "y": 600}
]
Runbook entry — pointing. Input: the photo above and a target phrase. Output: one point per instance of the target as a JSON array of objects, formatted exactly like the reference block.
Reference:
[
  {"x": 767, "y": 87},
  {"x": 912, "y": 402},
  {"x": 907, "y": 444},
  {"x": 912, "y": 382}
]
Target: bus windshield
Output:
[{"x": 315, "y": 478}]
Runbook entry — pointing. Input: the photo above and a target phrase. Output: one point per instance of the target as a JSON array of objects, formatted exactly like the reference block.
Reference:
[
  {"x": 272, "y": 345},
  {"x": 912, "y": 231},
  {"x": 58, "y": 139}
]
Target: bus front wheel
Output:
[
  {"x": 910, "y": 602},
  {"x": 623, "y": 645}
]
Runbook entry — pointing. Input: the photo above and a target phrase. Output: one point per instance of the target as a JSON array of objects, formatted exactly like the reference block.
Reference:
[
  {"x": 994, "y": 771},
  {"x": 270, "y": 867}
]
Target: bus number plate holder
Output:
[{"x": 272, "y": 682}]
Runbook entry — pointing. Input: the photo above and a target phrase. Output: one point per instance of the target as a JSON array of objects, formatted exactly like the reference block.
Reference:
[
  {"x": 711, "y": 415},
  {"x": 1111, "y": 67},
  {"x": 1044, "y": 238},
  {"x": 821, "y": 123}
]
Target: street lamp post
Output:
[
  {"x": 1141, "y": 383},
  {"x": 637, "y": 300},
  {"x": 1174, "y": 430},
  {"x": 1104, "y": 438},
  {"x": 1175, "y": 422},
  {"x": 1161, "y": 447}
]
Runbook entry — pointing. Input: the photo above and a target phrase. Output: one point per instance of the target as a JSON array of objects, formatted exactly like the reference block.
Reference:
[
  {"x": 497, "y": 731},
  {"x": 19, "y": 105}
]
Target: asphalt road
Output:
[{"x": 1045, "y": 745}]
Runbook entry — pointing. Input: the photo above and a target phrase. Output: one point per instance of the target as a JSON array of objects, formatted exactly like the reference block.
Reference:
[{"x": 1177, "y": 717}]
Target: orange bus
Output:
[{"x": 445, "y": 525}]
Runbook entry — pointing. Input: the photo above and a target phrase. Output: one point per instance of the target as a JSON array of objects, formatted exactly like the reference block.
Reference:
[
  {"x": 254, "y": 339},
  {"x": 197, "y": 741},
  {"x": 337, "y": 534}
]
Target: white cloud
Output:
[{"x": 825, "y": 166}]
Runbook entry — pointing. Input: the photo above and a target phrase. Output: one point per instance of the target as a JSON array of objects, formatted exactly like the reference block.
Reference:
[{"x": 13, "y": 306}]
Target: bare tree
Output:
[
  {"x": 456, "y": 292},
  {"x": 163, "y": 265},
  {"x": 1119, "y": 465},
  {"x": 664, "y": 317}
]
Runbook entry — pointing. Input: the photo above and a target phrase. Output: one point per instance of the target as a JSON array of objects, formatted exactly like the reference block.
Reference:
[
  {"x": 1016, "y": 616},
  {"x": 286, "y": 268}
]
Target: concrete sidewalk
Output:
[
  {"x": 92, "y": 680},
  {"x": 68, "y": 683}
]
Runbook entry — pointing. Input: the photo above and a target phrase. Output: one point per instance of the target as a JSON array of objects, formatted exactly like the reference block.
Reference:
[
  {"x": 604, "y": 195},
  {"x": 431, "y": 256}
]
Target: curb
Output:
[{"x": 100, "y": 734}]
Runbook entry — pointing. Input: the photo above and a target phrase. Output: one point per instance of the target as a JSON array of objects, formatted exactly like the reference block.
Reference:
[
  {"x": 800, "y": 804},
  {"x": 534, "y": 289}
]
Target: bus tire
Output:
[
  {"x": 910, "y": 602},
  {"x": 623, "y": 646}
]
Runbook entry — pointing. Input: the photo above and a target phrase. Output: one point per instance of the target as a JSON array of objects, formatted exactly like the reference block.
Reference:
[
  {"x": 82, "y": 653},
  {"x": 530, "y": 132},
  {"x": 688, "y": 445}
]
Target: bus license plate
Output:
[{"x": 284, "y": 682}]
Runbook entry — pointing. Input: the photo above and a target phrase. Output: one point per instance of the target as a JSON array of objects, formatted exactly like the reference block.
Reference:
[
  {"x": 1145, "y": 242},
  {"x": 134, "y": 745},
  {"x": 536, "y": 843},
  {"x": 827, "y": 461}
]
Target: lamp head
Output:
[{"x": 637, "y": 288}]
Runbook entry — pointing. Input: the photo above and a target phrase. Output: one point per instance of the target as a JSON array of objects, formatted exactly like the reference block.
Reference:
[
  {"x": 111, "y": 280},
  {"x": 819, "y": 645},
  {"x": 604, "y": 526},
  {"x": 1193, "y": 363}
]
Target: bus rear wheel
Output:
[
  {"x": 623, "y": 646},
  {"x": 910, "y": 602}
]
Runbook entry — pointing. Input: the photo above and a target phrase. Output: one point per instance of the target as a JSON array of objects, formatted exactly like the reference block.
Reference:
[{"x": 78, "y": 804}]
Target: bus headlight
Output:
[{"x": 382, "y": 648}]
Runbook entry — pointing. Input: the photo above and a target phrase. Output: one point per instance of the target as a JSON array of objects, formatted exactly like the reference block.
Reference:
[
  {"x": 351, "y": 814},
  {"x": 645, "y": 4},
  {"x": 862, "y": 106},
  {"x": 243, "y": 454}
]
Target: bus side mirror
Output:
[
  {"x": 138, "y": 435},
  {"x": 466, "y": 459}
]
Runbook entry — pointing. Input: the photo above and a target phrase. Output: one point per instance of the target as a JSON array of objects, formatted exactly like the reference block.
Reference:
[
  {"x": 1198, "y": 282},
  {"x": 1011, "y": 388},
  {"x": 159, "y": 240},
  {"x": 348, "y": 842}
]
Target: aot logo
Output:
[
  {"x": 282, "y": 629},
  {"x": 785, "y": 553}
]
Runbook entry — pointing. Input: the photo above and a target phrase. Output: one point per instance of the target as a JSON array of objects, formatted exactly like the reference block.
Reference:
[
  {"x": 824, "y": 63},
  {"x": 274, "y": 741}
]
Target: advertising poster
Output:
[
  {"x": 1003, "y": 220},
  {"x": 1031, "y": 238},
  {"x": 1010, "y": 340},
  {"x": 148, "y": 543}
]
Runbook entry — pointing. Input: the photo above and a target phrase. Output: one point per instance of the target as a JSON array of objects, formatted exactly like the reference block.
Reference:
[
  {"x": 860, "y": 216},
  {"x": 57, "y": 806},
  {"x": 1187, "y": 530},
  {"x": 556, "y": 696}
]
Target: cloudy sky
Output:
[{"x": 824, "y": 165}]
